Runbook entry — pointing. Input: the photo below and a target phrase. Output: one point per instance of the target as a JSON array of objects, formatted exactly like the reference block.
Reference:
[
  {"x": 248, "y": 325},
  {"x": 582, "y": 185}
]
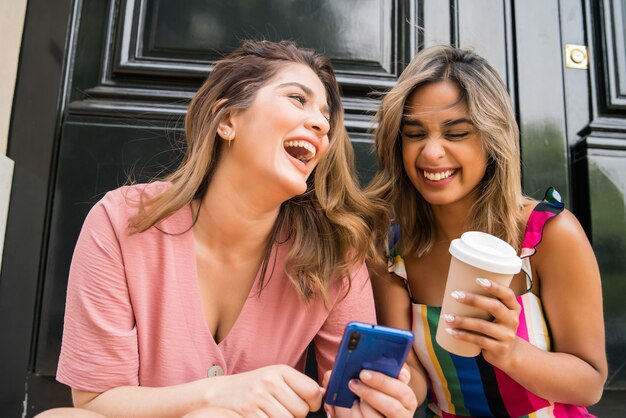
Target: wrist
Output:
[
  {"x": 515, "y": 359},
  {"x": 204, "y": 392}
]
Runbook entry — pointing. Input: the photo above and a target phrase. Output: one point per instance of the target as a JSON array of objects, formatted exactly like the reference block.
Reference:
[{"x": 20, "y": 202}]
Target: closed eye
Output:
[
  {"x": 298, "y": 97},
  {"x": 415, "y": 136},
  {"x": 456, "y": 135}
]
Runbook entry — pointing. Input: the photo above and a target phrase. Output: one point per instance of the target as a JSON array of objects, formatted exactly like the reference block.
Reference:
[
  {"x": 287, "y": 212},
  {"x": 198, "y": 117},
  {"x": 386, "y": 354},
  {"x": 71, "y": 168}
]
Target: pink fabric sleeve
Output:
[
  {"x": 358, "y": 305},
  {"x": 99, "y": 349}
]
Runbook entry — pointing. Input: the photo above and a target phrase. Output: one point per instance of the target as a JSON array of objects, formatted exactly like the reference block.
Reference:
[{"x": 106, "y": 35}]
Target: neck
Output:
[
  {"x": 234, "y": 221},
  {"x": 452, "y": 220}
]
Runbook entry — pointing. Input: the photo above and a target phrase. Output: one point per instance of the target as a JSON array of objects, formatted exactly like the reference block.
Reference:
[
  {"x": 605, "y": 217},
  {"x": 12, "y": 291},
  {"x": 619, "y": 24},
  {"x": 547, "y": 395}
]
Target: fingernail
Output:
[
  {"x": 405, "y": 375},
  {"x": 483, "y": 282},
  {"x": 448, "y": 317},
  {"x": 366, "y": 375},
  {"x": 458, "y": 295},
  {"x": 451, "y": 331},
  {"x": 353, "y": 382}
]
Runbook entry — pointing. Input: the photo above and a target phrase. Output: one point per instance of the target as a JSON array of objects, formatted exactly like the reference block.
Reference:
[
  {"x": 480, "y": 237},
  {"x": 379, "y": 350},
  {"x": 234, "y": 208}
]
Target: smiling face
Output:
[
  {"x": 283, "y": 135},
  {"x": 441, "y": 148}
]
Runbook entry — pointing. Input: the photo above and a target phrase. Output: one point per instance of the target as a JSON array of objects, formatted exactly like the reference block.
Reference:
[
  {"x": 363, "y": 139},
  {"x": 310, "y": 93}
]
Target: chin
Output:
[
  {"x": 301, "y": 190},
  {"x": 294, "y": 188}
]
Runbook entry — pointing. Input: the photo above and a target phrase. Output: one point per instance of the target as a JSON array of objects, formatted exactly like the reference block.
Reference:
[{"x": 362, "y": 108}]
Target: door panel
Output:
[
  {"x": 603, "y": 178},
  {"x": 110, "y": 94}
]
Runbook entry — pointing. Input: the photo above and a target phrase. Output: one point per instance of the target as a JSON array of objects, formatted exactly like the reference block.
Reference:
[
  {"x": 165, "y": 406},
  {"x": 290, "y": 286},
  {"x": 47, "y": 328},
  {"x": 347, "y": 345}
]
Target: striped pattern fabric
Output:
[{"x": 470, "y": 386}]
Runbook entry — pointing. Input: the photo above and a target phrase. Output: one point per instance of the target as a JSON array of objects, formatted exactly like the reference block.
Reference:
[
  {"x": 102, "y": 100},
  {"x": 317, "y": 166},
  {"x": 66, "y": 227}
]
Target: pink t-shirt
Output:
[{"x": 134, "y": 316}]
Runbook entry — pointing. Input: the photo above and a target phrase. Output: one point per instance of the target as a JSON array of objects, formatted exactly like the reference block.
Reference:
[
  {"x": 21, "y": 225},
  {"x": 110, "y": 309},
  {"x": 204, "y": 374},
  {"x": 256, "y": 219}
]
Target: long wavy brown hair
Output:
[
  {"x": 498, "y": 207},
  {"x": 328, "y": 226}
]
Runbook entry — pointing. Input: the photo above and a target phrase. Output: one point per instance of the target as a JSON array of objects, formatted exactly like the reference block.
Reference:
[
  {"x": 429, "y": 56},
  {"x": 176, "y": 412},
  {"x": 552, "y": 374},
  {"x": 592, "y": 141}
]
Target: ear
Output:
[{"x": 226, "y": 126}]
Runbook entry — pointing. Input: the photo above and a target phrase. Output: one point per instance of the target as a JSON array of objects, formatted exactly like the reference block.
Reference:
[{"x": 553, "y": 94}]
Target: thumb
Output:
[
  {"x": 405, "y": 375},
  {"x": 326, "y": 378}
]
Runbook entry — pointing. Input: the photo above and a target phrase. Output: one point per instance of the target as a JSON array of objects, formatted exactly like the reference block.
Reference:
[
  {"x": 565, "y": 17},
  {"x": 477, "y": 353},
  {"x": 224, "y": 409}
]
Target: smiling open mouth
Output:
[
  {"x": 300, "y": 150},
  {"x": 438, "y": 176}
]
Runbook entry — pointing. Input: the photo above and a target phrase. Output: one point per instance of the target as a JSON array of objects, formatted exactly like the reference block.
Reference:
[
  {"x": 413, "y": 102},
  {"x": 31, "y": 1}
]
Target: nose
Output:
[
  {"x": 433, "y": 149},
  {"x": 318, "y": 123}
]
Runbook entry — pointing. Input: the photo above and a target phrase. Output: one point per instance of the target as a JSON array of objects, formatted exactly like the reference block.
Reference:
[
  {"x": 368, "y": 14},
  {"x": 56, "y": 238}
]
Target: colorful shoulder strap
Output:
[
  {"x": 395, "y": 262},
  {"x": 545, "y": 210},
  {"x": 393, "y": 236},
  {"x": 548, "y": 208}
]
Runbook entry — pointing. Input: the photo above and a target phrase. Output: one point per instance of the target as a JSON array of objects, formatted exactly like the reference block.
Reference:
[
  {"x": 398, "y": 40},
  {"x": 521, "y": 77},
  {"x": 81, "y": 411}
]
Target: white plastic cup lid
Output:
[{"x": 486, "y": 252}]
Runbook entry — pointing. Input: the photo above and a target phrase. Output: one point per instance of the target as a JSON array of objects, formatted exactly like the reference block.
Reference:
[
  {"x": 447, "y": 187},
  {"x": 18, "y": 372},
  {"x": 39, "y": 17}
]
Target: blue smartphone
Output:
[{"x": 365, "y": 346}]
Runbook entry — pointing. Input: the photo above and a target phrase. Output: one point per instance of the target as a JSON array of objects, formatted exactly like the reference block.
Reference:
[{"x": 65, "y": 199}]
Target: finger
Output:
[
  {"x": 276, "y": 409},
  {"x": 384, "y": 403},
  {"x": 304, "y": 387},
  {"x": 273, "y": 395},
  {"x": 482, "y": 341},
  {"x": 405, "y": 374},
  {"x": 354, "y": 412},
  {"x": 386, "y": 394},
  {"x": 492, "y": 336},
  {"x": 494, "y": 342},
  {"x": 326, "y": 378},
  {"x": 504, "y": 293},
  {"x": 367, "y": 411},
  {"x": 482, "y": 332},
  {"x": 283, "y": 402},
  {"x": 494, "y": 307}
]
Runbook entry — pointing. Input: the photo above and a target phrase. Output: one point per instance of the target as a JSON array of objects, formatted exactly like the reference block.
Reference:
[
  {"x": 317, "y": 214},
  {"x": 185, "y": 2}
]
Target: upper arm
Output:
[
  {"x": 99, "y": 347},
  {"x": 393, "y": 305},
  {"x": 571, "y": 291}
]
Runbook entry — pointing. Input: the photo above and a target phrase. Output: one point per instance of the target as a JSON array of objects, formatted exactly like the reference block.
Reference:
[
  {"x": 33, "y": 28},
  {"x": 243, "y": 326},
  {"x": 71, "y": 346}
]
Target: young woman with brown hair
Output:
[{"x": 204, "y": 290}]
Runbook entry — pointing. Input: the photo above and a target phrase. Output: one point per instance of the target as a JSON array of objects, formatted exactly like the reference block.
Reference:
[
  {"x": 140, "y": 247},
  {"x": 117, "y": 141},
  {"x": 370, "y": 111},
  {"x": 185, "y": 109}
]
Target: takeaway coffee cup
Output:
[{"x": 474, "y": 255}]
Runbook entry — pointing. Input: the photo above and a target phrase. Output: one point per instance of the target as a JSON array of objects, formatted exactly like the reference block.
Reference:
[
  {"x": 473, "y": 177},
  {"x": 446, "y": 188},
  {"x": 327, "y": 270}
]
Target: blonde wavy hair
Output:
[
  {"x": 498, "y": 209},
  {"x": 328, "y": 226}
]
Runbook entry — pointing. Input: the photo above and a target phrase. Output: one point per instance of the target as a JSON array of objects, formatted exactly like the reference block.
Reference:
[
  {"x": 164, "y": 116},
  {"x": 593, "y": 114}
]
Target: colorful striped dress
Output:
[{"x": 470, "y": 386}]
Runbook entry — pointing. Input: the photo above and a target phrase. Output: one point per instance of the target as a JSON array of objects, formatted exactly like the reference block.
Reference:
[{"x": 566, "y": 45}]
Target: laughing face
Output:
[
  {"x": 283, "y": 135},
  {"x": 441, "y": 148}
]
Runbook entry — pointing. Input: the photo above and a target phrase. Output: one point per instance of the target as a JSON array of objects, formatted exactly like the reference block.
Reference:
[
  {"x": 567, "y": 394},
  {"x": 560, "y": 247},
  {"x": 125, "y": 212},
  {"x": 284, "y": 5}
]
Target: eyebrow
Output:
[
  {"x": 306, "y": 90},
  {"x": 406, "y": 120},
  {"x": 457, "y": 121}
]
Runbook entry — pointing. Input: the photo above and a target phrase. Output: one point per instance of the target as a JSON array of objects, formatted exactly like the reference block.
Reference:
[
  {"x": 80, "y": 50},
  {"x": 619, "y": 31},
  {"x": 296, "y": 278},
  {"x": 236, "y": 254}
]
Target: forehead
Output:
[
  {"x": 435, "y": 98},
  {"x": 298, "y": 73}
]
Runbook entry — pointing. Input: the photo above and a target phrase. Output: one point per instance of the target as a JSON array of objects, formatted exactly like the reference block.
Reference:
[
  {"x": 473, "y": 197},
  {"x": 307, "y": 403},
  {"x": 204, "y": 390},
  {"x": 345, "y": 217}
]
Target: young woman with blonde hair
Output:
[
  {"x": 448, "y": 162},
  {"x": 202, "y": 292}
]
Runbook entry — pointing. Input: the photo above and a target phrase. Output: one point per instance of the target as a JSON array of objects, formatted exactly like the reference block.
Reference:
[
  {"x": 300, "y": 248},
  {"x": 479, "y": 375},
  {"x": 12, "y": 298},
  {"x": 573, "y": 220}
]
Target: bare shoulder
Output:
[
  {"x": 565, "y": 251},
  {"x": 564, "y": 229}
]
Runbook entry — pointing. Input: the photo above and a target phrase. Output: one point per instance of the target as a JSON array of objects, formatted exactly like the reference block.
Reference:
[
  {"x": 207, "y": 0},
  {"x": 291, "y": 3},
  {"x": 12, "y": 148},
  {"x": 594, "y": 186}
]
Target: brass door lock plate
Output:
[{"x": 576, "y": 56}]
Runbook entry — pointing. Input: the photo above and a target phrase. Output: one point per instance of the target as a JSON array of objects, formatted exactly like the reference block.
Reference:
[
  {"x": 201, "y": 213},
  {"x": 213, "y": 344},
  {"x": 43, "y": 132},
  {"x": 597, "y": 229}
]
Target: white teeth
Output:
[
  {"x": 438, "y": 176},
  {"x": 302, "y": 144}
]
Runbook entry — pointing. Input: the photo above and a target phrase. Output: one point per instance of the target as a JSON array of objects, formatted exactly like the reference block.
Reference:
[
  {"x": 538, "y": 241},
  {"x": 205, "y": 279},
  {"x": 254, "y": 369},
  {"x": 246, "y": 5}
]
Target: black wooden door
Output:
[{"x": 103, "y": 87}]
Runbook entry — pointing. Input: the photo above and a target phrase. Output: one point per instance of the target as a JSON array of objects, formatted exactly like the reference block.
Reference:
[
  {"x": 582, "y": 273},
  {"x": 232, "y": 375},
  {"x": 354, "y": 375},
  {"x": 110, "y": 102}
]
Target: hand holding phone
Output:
[{"x": 365, "y": 346}]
